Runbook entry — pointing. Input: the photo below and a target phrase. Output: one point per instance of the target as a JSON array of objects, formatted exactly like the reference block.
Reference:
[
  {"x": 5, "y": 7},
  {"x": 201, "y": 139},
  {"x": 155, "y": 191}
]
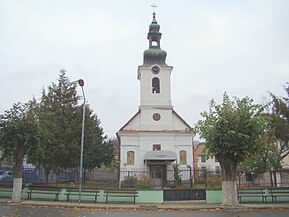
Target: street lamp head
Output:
[{"x": 81, "y": 82}]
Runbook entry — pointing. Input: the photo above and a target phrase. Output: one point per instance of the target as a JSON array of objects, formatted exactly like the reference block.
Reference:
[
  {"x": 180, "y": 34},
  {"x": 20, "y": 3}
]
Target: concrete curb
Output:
[{"x": 146, "y": 206}]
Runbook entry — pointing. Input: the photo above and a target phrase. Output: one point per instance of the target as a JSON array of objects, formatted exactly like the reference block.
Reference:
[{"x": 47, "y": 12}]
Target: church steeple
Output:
[{"x": 154, "y": 55}]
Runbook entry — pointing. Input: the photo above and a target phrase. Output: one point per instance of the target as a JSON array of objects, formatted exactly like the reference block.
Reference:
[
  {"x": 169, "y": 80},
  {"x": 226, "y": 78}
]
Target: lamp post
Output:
[{"x": 81, "y": 84}]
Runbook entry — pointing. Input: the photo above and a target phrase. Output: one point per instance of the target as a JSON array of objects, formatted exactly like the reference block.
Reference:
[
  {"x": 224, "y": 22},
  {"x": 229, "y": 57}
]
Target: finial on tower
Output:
[
  {"x": 154, "y": 6},
  {"x": 154, "y": 12}
]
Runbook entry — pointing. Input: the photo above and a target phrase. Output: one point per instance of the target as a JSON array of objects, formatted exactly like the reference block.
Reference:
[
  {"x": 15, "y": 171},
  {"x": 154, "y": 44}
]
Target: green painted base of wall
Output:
[
  {"x": 144, "y": 196},
  {"x": 150, "y": 196},
  {"x": 214, "y": 196}
]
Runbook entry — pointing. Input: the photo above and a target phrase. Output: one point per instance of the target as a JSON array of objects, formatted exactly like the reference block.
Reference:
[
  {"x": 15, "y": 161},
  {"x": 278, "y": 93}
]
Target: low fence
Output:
[
  {"x": 185, "y": 178},
  {"x": 106, "y": 177},
  {"x": 273, "y": 178}
]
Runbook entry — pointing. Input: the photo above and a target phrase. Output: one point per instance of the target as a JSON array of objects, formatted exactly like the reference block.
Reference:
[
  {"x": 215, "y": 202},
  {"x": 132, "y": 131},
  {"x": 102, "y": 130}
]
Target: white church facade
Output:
[{"x": 156, "y": 136}]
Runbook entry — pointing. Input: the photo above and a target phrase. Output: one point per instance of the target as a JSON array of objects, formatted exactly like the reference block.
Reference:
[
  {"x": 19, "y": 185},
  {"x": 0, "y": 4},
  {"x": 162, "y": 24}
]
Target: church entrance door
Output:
[{"x": 157, "y": 174}]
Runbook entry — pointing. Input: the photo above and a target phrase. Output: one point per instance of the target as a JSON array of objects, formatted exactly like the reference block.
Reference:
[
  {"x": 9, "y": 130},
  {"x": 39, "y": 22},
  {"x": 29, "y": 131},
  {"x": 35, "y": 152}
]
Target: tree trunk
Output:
[
  {"x": 17, "y": 188},
  {"x": 18, "y": 171},
  {"x": 229, "y": 181}
]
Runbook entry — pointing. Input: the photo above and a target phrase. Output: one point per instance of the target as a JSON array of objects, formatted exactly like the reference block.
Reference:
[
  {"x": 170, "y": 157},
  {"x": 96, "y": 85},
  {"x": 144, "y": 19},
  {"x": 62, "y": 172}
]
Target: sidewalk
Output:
[{"x": 166, "y": 206}]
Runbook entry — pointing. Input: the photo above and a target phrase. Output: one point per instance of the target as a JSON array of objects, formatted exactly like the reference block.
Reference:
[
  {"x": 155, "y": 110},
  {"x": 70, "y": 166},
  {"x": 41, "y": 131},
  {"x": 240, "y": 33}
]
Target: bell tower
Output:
[
  {"x": 155, "y": 75},
  {"x": 155, "y": 84}
]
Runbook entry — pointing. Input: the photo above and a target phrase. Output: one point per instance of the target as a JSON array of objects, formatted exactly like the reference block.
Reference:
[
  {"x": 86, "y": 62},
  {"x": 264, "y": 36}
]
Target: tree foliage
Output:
[
  {"x": 267, "y": 157},
  {"x": 59, "y": 123},
  {"x": 177, "y": 174},
  {"x": 279, "y": 122},
  {"x": 18, "y": 134},
  {"x": 97, "y": 149},
  {"x": 233, "y": 131}
]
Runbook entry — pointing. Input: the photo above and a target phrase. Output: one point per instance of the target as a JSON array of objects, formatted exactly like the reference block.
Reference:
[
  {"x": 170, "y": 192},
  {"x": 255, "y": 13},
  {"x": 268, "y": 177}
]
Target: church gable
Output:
[
  {"x": 179, "y": 123},
  {"x": 133, "y": 123}
]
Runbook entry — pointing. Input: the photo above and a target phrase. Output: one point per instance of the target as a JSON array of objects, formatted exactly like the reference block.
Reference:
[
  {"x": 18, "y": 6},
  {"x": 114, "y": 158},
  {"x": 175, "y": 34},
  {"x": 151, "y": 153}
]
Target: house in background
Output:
[
  {"x": 156, "y": 136},
  {"x": 204, "y": 161}
]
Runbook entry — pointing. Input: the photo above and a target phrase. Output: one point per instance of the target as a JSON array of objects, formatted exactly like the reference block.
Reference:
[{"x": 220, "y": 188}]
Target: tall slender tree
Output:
[{"x": 59, "y": 126}]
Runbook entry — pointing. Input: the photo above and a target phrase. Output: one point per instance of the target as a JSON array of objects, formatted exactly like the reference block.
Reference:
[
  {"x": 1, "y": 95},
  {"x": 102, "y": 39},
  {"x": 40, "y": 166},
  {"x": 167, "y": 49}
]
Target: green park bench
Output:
[
  {"x": 43, "y": 190},
  {"x": 87, "y": 192},
  {"x": 121, "y": 193}
]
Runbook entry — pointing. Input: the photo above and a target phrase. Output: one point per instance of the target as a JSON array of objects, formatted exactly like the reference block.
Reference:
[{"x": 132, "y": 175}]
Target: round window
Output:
[{"x": 156, "y": 116}]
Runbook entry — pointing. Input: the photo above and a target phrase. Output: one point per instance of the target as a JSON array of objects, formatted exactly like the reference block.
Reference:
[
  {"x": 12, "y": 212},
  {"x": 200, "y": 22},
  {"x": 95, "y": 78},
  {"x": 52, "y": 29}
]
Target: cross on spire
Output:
[{"x": 154, "y": 6}]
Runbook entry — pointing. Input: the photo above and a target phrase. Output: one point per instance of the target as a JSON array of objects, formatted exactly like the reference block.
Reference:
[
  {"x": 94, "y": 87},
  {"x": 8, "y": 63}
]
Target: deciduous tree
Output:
[
  {"x": 279, "y": 122},
  {"x": 18, "y": 135},
  {"x": 232, "y": 130}
]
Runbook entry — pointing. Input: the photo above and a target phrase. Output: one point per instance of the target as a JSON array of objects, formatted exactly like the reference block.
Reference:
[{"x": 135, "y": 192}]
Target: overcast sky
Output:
[{"x": 215, "y": 46}]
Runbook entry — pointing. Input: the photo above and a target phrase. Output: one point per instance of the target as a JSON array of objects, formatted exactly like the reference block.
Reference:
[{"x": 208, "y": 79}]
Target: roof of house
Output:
[{"x": 201, "y": 150}]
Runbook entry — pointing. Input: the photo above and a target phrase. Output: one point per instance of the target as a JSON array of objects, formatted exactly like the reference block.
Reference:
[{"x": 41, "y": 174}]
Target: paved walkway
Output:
[{"x": 185, "y": 205}]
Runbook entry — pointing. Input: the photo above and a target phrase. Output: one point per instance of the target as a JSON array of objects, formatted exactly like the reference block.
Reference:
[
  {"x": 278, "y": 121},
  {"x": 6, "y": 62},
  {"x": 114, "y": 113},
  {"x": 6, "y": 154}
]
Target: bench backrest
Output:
[
  {"x": 121, "y": 191},
  {"x": 44, "y": 188},
  {"x": 87, "y": 190}
]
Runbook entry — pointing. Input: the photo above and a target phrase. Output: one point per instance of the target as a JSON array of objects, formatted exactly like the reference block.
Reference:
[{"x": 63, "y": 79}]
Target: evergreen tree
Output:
[
  {"x": 59, "y": 126},
  {"x": 94, "y": 142}
]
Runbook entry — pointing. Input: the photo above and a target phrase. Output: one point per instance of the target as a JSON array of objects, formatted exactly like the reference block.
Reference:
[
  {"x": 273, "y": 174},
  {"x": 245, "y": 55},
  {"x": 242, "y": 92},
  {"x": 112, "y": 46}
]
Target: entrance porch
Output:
[{"x": 157, "y": 163}]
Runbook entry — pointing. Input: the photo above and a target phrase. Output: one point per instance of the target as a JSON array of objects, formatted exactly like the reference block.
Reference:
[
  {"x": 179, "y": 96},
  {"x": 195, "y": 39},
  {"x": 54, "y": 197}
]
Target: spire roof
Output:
[{"x": 154, "y": 55}]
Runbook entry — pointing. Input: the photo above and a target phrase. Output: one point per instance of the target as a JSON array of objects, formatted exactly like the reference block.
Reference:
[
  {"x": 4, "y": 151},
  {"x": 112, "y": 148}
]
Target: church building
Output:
[{"x": 156, "y": 137}]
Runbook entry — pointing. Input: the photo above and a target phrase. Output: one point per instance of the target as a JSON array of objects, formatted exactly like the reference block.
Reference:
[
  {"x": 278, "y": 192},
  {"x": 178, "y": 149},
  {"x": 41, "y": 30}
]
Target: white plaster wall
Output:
[
  {"x": 178, "y": 124},
  {"x": 141, "y": 143},
  {"x": 134, "y": 124},
  {"x": 146, "y": 95},
  {"x": 147, "y": 122}
]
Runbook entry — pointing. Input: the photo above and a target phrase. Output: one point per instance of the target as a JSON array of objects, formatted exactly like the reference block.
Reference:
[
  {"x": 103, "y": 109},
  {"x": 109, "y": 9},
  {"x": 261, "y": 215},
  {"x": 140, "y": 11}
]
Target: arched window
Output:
[
  {"x": 156, "y": 85},
  {"x": 183, "y": 157},
  {"x": 130, "y": 158}
]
